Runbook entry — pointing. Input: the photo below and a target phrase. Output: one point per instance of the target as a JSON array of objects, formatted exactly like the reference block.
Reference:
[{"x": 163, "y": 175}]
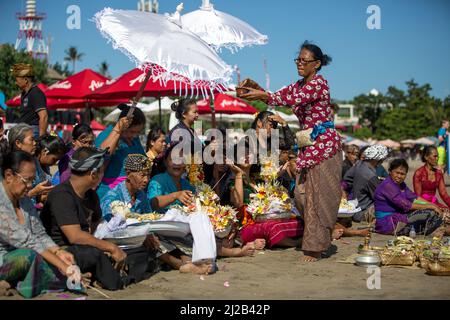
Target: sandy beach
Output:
[{"x": 279, "y": 274}]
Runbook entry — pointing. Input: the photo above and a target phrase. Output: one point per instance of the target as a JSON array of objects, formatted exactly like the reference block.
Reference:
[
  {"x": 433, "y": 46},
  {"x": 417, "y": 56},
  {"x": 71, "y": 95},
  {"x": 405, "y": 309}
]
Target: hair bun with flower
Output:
[{"x": 174, "y": 106}]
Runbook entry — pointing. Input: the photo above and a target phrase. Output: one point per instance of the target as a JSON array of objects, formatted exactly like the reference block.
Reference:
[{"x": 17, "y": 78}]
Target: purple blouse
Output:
[
  {"x": 392, "y": 203},
  {"x": 63, "y": 166},
  {"x": 391, "y": 197}
]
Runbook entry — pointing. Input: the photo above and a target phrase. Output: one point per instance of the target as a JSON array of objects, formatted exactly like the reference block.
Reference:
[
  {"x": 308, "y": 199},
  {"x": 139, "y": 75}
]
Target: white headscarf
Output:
[{"x": 376, "y": 152}]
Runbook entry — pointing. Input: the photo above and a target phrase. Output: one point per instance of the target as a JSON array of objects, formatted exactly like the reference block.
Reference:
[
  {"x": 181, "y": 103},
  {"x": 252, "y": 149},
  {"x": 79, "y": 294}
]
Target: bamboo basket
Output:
[
  {"x": 392, "y": 258},
  {"x": 438, "y": 267}
]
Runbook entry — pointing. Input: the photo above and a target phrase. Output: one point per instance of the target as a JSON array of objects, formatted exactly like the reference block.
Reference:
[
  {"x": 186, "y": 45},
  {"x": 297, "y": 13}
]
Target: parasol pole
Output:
[
  {"x": 160, "y": 115},
  {"x": 213, "y": 112},
  {"x": 139, "y": 94}
]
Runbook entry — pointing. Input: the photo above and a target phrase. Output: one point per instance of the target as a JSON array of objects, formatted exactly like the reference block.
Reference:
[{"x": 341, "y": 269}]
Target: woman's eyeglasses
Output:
[
  {"x": 303, "y": 62},
  {"x": 26, "y": 181}
]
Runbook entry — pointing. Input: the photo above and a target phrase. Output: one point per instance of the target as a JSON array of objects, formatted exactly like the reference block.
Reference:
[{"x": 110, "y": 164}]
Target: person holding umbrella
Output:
[
  {"x": 320, "y": 161},
  {"x": 33, "y": 103},
  {"x": 122, "y": 140}
]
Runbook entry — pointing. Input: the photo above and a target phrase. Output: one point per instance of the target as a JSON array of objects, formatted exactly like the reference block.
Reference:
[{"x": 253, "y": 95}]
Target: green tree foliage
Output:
[
  {"x": 72, "y": 55},
  {"x": 104, "y": 69},
  {"x": 64, "y": 71},
  {"x": 8, "y": 57},
  {"x": 399, "y": 114},
  {"x": 362, "y": 133}
]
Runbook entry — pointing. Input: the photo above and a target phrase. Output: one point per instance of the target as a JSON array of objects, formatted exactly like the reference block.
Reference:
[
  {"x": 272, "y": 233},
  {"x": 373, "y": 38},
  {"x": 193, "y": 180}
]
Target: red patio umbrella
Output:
[
  {"x": 77, "y": 86},
  {"x": 55, "y": 103},
  {"x": 15, "y": 102},
  {"x": 128, "y": 85},
  {"x": 226, "y": 104}
]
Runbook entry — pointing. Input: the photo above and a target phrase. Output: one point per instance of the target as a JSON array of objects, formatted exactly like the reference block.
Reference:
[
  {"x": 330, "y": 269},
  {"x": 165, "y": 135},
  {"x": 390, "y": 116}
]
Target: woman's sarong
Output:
[
  {"x": 424, "y": 221},
  {"x": 273, "y": 231},
  {"x": 323, "y": 195},
  {"x": 30, "y": 274}
]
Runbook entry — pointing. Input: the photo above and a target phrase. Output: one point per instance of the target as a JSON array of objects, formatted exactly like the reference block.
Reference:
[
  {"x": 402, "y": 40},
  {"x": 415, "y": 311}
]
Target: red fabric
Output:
[
  {"x": 227, "y": 105},
  {"x": 426, "y": 188},
  {"x": 97, "y": 126},
  {"x": 311, "y": 104},
  {"x": 15, "y": 102},
  {"x": 273, "y": 231},
  {"x": 70, "y": 93},
  {"x": 77, "y": 86},
  {"x": 128, "y": 84}
]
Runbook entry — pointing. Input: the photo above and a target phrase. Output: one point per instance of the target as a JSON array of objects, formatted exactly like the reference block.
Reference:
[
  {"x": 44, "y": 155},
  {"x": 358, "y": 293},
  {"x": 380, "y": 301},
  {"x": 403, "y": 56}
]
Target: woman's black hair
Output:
[
  {"x": 13, "y": 160},
  {"x": 398, "y": 163},
  {"x": 318, "y": 54},
  {"x": 54, "y": 144},
  {"x": 262, "y": 116},
  {"x": 81, "y": 129},
  {"x": 153, "y": 135},
  {"x": 245, "y": 142},
  {"x": 169, "y": 149},
  {"x": 138, "y": 115},
  {"x": 427, "y": 151},
  {"x": 182, "y": 106},
  {"x": 1, "y": 123}
]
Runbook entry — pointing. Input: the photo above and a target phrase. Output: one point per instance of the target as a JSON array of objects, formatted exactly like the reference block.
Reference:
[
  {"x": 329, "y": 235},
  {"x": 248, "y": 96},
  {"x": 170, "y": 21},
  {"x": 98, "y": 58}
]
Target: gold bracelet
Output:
[{"x": 57, "y": 250}]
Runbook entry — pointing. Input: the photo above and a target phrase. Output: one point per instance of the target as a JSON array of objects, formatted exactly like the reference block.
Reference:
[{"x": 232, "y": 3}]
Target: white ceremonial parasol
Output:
[
  {"x": 221, "y": 30},
  {"x": 162, "y": 46}
]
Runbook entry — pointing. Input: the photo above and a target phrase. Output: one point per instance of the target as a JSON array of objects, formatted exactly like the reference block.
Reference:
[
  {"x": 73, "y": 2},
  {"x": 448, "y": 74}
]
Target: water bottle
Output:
[{"x": 412, "y": 233}]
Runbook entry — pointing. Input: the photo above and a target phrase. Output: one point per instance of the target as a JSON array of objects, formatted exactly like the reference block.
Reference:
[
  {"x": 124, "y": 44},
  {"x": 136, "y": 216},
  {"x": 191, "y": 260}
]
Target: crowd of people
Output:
[{"x": 48, "y": 221}]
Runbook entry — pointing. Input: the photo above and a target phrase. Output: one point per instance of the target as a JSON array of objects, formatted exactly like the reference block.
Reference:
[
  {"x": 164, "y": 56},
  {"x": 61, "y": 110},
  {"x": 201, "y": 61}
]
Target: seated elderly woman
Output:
[
  {"x": 429, "y": 178},
  {"x": 398, "y": 209},
  {"x": 132, "y": 190},
  {"x": 29, "y": 260},
  {"x": 21, "y": 137},
  {"x": 164, "y": 191},
  {"x": 272, "y": 232},
  {"x": 351, "y": 157}
]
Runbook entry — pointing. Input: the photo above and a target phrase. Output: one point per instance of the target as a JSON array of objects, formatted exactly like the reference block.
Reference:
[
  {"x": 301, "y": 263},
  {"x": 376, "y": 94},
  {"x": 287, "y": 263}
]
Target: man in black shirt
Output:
[
  {"x": 70, "y": 216},
  {"x": 33, "y": 107}
]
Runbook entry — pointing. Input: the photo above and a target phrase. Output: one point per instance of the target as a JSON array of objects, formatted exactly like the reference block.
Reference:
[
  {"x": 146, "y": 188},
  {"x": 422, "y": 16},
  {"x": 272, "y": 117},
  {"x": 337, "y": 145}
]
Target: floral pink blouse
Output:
[{"x": 311, "y": 104}]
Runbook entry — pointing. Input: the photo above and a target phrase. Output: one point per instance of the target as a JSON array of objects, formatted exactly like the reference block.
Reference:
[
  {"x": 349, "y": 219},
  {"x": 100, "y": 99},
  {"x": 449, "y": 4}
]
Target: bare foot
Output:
[
  {"x": 447, "y": 231},
  {"x": 439, "y": 232},
  {"x": 337, "y": 234},
  {"x": 259, "y": 244},
  {"x": 349, "y": 232},
  {"x": 247, "y": 250},
  {"x": 5, "y": 289},
  {"x": 309, "y": 256},
  {"x": 203, "y": 269}
]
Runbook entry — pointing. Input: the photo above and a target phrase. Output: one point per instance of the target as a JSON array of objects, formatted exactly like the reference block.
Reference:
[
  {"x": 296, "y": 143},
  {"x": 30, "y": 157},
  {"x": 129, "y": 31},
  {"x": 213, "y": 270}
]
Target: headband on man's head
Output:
[
  {"x": 91, "y": 163},
  {"x": 22, "y": 70}
]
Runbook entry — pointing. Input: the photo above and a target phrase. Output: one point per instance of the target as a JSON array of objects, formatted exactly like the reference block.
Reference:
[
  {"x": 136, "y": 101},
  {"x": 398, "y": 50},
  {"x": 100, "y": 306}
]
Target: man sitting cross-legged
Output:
[{"x": 71, "y": 214}]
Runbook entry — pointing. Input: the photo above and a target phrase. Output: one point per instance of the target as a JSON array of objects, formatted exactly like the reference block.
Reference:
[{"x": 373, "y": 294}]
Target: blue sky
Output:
[{"x": 413, "y": 41}]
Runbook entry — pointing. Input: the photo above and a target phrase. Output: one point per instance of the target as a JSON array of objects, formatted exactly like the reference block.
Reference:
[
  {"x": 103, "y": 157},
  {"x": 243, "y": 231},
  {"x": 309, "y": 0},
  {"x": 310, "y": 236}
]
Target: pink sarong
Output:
[{"x": 273, "y": 231}]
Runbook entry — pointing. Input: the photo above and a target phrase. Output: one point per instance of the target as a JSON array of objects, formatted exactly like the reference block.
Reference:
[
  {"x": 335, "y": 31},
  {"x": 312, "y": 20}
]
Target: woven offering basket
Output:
[
  {"x": 438, "y": 267},
  {"x": 394, "y": 258}
]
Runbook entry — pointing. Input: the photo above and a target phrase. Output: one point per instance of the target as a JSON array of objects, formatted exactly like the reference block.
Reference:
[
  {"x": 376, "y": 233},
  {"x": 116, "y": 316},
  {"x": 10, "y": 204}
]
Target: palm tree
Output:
[
  {"x": 73, "y": 55},
  {"x": 103, "y": 69}
]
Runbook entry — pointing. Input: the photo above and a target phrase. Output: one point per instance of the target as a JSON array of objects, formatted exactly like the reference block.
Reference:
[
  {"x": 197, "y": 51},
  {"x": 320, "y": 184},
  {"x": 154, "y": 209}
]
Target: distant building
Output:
[
  {"x": 346, "y": 116},
  {"x": 148, "y": 6}
]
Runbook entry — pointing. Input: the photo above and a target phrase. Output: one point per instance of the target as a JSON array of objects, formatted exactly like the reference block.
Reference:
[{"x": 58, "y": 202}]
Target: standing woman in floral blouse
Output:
[{"x": 319, "y": 165}]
